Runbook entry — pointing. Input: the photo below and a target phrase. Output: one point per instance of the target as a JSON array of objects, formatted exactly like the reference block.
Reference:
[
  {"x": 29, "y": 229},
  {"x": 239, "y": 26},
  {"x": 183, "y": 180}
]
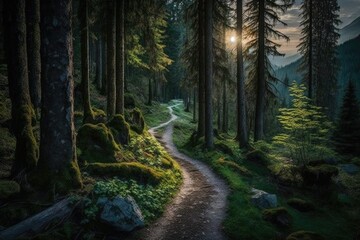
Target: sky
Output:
[{"x": 349, "y": 11}]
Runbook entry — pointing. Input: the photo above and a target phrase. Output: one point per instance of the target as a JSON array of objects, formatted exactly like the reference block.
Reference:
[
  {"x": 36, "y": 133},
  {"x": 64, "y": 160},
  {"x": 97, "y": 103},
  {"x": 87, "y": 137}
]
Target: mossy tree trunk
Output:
[
  {"x": 84, "y": 26},
  {"x": 26, "y": 152},
  {"x": 58, "y": 167},
  {"x": 99, "y": 63},
  {"x": 120, "y": 63},
  {"x": 111, "y": 50},
  {"x": 33, "y": 51},
  {"x": 104, "y": 63}
]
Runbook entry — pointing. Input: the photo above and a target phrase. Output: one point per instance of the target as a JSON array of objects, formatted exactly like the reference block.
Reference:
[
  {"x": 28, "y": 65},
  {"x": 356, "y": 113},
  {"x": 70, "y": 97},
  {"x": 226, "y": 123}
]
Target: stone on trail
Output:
[
  {"x": 122, "y": 214},
  {"x": 263, "y": 199}
]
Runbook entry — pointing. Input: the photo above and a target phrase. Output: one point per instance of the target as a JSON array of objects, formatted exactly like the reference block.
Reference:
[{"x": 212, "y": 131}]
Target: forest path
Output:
[{"x": 199, "y": 208}]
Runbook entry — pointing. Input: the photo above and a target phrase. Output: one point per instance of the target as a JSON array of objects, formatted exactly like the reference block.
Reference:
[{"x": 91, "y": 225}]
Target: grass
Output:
[{"x": 244, "y": 221}]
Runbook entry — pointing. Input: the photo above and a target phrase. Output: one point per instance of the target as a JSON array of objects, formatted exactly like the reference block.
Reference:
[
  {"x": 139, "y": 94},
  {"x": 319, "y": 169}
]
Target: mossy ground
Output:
[{"x": 331, "y": 218}]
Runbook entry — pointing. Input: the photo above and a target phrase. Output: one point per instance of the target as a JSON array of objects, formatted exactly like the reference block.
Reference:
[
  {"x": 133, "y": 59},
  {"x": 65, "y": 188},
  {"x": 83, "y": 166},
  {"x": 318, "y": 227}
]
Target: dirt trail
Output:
[{"x": 199, "y": 208}]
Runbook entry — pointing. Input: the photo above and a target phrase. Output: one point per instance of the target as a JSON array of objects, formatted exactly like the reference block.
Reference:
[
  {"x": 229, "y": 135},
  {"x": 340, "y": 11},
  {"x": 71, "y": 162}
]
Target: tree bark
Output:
[
  {"x": 194, "y": 105},
  {"x": 150, "y": 91},
  {"x": 99, "y": 63},
  {"x": 104, "y": 64},
  {"x": 57, "y": 164},
  {"x": 111, "y": 48},
  {"x": 242, "y": 132},
  {"x": 209, "y": 133},
  {"x": 26, "y": 151},
  {"x": 84, "y": 25},
  {"x": 310, "y": 73},
  {"x": 120, "y": 63},
  {"x": 224, "y": 108},
  {"x": 261, "y": 84},
  {"x": 33, "y": 51},
  {"x": 201, "y": 84}
]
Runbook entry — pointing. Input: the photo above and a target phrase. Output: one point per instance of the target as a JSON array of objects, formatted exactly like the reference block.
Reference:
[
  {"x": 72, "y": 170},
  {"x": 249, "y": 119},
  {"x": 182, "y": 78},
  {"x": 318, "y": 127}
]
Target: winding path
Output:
[{"x": 199, "y": 208}]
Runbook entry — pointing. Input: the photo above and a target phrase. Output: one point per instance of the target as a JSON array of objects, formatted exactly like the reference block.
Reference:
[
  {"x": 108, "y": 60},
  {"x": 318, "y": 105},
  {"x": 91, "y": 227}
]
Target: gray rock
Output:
[
  {"x": 263, "y": 199},
  {"x": 122, "y": 214},
  {"x": 350, "y": 168}
]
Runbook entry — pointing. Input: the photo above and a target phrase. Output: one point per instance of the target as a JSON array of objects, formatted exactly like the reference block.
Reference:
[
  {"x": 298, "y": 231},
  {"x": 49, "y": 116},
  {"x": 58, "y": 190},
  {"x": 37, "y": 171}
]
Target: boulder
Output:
[
  {"x": 263, "y": 199},
  {"x": 350, "y": 168},
  {"x": 319, "y": 175},
  {"x": 121, "y": 214},
  {"x": 136, "y": 120},
  {"x": 120, "y": 129},
  {"x": 8, "y": 188},
  {"x": 258, "y": 157},
  {"x": 278, "y": 216}
]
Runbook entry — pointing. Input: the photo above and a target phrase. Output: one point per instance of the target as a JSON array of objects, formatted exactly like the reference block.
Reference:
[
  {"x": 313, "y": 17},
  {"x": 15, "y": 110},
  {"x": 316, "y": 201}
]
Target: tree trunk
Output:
[
  {"x": 26, "y": 151},
  {"x": 310, "y": 73},
  {"x": 120, "y": 40},
  {"x": 33, "y": 51},
  {"x": 209, "y": 133},
  {"x": 224, "y": 108},
  {"x": 58, "y": 166},
  {"x": 104, "y": 64},
  {"x": 194, "y": 105},
  {"x": 201, "y": 84},
  {"x": 111, "y": 48},
  {"x": 99, "y": 66},
  {"x": 261, "y": 84},
  {"x": 242, "y": 132},
  {"x": 150, "y": 91},
  {"x": 84, "y": 26}
]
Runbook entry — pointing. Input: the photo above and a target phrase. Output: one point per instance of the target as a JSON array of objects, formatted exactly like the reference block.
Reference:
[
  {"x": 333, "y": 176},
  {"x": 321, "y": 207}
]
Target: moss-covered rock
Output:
[
  {"x": 224, "y": 148},
  {"x": 277, "y": 216},
  {"x": 136, "y": 120},
  {"x": 129, "y": 170},
  {"x": 234, "y": 166},
  {"x": 305, "y": 235},
  {"x": 99, "y": 115},
  {"x": 258, "y": 157},
  {"x": 120, "y": 129},
  {"x": 287, "y": 174},
  {"x": 301, "y": 205},
  {"x": 97, "y": 144},
  {"x": 8, "y": 188},
  {"x": 129, "y": 101},
  {"x": 319, "y": 175}
]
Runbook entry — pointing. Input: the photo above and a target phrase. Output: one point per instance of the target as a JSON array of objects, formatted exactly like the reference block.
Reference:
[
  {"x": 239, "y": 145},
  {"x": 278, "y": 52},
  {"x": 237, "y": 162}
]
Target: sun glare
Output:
[{"x": 233, "y": 39}]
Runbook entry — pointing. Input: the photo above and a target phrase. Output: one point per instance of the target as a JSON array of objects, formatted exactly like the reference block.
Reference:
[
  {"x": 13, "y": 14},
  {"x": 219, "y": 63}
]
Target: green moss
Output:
[
  {"x": 120, "y": 129},
  {"x": 277, "y": 216},
  {"x": 8, "y": 188},
  {"x": 319, "y": 175},
  {"x": 99, "y": 115},
  {"x": 301, "y": 205},
  {"x": 224, "y": 148},
  {"x": 130, "y": 170},
  {"x": 287, "y": 174},
  {"x": 234, "y": 166},
  {"x": 258, "y": 157},
  {"x": 305, "y": 235},
  {"x": 96, "y": 143},
  {"x": 136, "y": 120}
]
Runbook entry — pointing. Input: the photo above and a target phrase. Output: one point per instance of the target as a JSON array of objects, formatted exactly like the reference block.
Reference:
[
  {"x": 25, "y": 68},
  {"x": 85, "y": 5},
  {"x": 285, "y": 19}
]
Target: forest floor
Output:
[{"x": 199, "y": 209}]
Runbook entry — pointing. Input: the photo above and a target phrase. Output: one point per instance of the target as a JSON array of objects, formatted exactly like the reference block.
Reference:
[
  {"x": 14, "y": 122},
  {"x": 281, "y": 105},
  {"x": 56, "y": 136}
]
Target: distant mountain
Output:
[
  {"x": 283, "y": 61},
  {"x": 350, "y": 31},
  {"x": 349, "y": 61}
]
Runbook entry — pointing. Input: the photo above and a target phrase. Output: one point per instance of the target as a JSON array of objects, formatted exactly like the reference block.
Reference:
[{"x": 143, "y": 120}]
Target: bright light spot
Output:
[{"x": 233, "y": 39}]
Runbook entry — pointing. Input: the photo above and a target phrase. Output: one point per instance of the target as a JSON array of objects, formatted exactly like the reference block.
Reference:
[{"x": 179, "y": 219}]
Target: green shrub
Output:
[
  {"x": 130, "y": 170},
  {"x": 301, "y": 205},
  {"x": 96, "y": 143},
  {"x": 306, "y": 129},
  {"x": 305, "y": 235}
]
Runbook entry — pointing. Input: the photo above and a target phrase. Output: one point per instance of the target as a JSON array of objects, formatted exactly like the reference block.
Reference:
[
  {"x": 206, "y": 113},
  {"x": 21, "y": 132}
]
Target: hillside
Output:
[
  {"x": 350, "y": 31},
  {"x": 349, "y": 69}
]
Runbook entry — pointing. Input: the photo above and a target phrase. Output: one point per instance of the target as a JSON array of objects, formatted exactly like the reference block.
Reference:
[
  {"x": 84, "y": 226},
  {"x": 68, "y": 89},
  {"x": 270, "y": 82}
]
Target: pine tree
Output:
[
  {"x": 261, "y": 18},
  {"x": 120, "y": 63},
  {"x": 111, "y": 52},
  {"x": 346, "y": 137},
  {"x": 305, "y": 128}
]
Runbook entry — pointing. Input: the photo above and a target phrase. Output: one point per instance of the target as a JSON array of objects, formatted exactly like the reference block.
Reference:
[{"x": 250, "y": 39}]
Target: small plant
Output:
[{"x": 306, "y": 129}]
